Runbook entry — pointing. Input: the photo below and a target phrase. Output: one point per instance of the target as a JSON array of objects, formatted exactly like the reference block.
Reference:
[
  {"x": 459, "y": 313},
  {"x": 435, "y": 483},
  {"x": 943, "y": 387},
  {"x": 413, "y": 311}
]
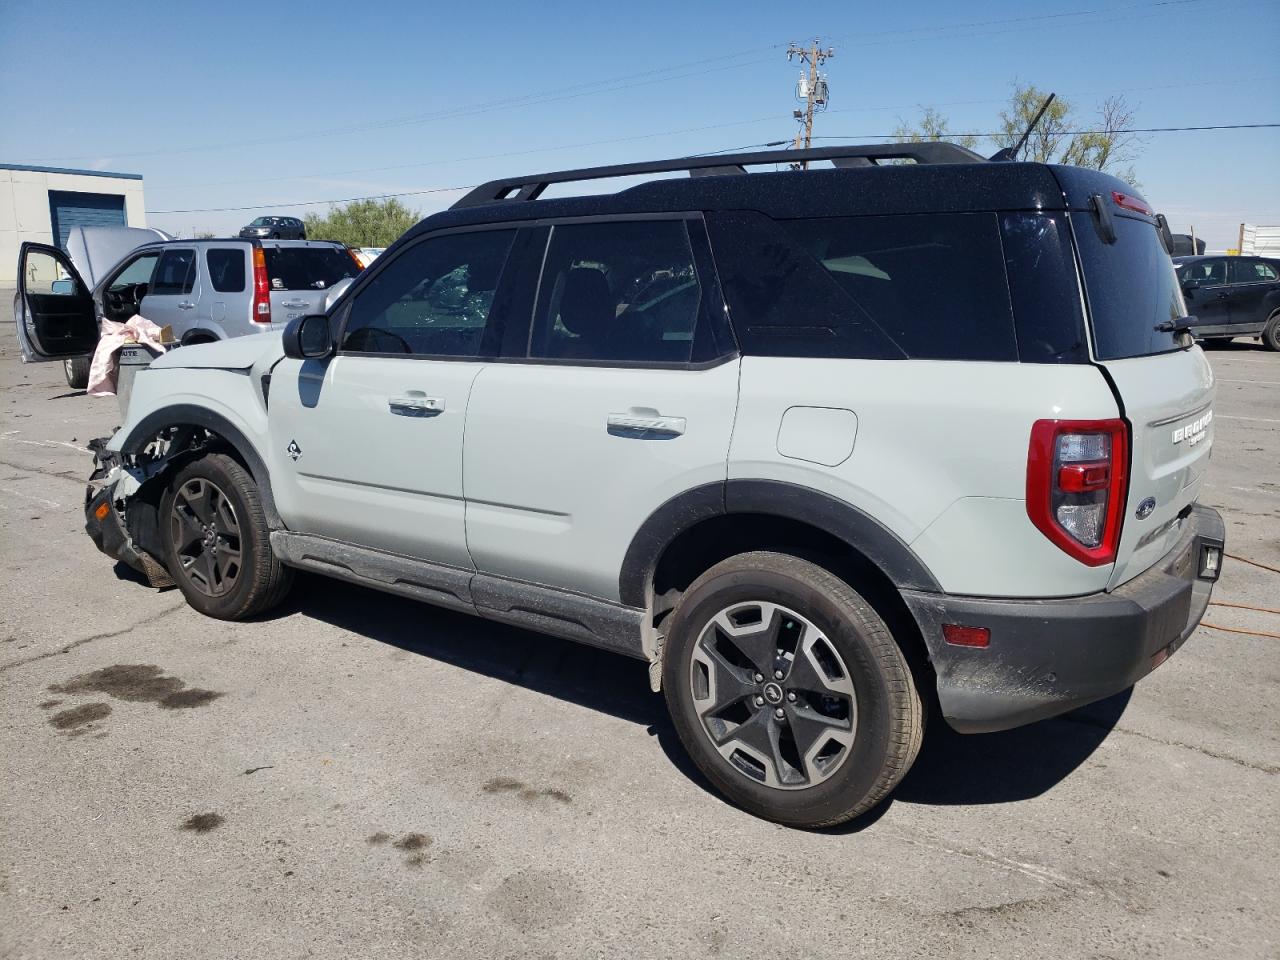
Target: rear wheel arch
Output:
[
  {"x": 199, "y": 335},
  {"x": 694, "y": 531}
]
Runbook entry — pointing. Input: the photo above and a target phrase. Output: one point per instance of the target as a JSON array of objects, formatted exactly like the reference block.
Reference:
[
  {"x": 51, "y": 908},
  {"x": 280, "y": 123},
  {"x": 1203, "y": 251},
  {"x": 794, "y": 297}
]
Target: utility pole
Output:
[{"x": 812, "y": 89}]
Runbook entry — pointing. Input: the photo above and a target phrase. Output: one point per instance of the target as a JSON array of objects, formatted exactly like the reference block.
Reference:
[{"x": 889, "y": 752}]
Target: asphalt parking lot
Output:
[{"x": 361, "y": 776}]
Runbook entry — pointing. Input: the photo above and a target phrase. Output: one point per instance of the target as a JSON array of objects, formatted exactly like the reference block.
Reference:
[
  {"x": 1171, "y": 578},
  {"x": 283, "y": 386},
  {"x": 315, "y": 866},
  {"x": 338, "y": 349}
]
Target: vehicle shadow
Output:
[{"x": 951, "y": 770}]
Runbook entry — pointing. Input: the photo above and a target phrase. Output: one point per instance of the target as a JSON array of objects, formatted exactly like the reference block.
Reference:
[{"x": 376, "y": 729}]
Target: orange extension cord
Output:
[{"x": 1244, "y": 606}]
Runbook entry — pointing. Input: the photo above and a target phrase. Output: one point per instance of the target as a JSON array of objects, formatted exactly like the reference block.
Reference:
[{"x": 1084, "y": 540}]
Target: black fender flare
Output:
[
  {"x": 188, "y": 414},
  {"x": 775, "y": 498}
]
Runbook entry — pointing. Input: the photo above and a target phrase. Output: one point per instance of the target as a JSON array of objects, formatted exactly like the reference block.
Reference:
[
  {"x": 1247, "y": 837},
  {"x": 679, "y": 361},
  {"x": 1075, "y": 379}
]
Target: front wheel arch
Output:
[{"x": 221, "y": 430}]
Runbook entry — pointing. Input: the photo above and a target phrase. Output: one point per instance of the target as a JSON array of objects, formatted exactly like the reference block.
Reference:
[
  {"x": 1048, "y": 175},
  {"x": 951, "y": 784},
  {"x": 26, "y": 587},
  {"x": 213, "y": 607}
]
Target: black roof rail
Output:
[{"x": 531, "y": 187}]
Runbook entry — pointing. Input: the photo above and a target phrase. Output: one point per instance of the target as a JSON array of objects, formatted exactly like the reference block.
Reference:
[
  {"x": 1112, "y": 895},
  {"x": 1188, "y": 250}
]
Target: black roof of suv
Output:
[{"x": 863, "y": 181}]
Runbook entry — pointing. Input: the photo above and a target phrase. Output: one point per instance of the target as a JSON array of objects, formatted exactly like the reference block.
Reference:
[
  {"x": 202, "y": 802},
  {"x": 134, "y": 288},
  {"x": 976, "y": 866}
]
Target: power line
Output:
[
  {"x": 613, "y": 85},
  {"x": 312, "y": 203},
  {"x": 1073, "y": 133},
  {"x": 665, "y": 133},
  {"x": 773, "y": 143},
  {"x": 616, "y": 84}
]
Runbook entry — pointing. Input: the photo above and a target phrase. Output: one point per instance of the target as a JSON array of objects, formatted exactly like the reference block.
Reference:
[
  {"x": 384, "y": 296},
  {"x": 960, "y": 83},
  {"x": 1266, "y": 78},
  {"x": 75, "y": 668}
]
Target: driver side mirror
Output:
[{"x": 308, "y": 338}]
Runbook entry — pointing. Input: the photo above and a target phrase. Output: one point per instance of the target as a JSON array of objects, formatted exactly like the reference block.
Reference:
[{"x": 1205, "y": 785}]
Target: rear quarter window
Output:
[
  {"x": 1131, "y": 288},
  {"x": 308, "y": 268},
  {"x": 226, "y": 267}
]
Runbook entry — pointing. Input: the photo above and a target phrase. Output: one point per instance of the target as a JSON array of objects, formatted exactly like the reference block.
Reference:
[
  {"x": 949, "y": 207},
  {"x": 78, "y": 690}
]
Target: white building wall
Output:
[{"x": 24, "y": 208}]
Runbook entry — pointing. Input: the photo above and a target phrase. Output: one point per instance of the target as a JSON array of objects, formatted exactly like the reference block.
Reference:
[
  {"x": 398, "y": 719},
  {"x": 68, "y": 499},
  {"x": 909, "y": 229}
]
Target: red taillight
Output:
[
  {"x": 1126, "y": 202},
  {"x": 1077, "y": 472},
  {"x": 261, "y": 287}
]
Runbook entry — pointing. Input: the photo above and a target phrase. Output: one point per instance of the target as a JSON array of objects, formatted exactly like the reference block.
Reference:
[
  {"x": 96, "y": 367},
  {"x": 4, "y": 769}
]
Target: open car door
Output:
[{"x": 53, "y": 311}]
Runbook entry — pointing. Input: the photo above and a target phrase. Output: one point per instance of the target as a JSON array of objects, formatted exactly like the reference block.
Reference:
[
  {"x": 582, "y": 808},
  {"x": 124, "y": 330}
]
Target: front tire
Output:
[
  {"x": 76, "y": 370},
  {"x": 216, "y": 540},
  {"x": 789, "y": 692}
]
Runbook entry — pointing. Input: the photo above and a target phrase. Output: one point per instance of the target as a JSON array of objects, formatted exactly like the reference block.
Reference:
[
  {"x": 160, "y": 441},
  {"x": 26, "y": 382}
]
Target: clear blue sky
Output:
[{"x": 234, "y": 104}]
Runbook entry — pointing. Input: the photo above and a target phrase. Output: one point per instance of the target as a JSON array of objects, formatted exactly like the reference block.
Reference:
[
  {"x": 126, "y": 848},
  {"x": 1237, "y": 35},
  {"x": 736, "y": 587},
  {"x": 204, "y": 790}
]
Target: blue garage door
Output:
[{"x": 69, "y": 209}]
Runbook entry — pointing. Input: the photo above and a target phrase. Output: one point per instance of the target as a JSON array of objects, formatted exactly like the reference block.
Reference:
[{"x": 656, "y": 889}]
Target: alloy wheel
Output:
[
  {"x": 206, "y": 536},
  {"x": 773, "y": 695}
]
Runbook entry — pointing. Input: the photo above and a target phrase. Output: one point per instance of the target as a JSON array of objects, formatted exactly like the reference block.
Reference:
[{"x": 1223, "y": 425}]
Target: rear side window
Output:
[
  {"x": 1132, "y": 288},
  {"x": 782, "y": 303},
  {"x": 175, "y": 273},
  {"x": 618, "y": 292},
  {"x": 922, "y": 286},
  {"x": 934, "y": 283},
  {"x": 226, "y": 269},
  {"x": 1251, "y": 271},
  {"x": 308, "y": 268}
]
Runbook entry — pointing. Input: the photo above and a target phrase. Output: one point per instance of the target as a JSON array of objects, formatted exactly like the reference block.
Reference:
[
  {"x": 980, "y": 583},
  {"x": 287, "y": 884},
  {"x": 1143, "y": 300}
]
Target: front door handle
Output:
[
  {"x": 416, "y": 406},
  {"x": 645, "y": 426},
  {"x": 186, "y": 305}
]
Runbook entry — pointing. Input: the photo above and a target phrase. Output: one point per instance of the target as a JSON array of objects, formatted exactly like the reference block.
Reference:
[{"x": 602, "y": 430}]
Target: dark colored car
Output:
[
  {"x": 275, "y": 228},
  {"x": 1185, "y": 245},
  {"x": 1232, "y": 297}
]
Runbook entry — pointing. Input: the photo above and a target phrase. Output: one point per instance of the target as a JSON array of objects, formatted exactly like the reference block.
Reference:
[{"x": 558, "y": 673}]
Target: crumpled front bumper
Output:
[{"x": 105, "y": 524}]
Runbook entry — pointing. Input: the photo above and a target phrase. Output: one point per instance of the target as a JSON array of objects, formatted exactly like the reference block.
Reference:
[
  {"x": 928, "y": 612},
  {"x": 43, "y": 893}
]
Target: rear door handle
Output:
[
  {"x": 295, "y": 304},
  {"x": 186, "y": 305},
  {"x": 416, "y": 406},
  {"x": 645, "y": 426}
]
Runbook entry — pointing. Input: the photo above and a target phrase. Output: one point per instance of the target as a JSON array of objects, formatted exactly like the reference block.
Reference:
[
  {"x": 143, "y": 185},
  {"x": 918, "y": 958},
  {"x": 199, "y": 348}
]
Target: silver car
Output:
[{"x": 203, "y": 290}]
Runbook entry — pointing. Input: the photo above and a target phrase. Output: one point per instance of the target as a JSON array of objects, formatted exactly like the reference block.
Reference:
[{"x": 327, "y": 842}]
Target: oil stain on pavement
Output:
[
  {"x": 524, "y": 791},
  {"x": 80, "y": 719},
  {"x": 203, "y": 822},
  {"x": 138, "y": 683}
]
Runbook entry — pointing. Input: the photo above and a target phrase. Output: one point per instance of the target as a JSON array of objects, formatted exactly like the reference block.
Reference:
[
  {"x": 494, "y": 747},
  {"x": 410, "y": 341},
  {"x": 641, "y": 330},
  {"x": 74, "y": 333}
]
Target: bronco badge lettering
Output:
[{"x": 1193, "y": 432}]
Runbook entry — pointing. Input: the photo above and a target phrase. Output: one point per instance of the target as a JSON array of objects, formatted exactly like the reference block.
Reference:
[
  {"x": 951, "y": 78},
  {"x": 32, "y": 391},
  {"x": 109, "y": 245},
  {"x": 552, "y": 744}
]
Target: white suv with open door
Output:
[
  {"x": 202, "y": 290},
  {"x": 824, "y": 448}
]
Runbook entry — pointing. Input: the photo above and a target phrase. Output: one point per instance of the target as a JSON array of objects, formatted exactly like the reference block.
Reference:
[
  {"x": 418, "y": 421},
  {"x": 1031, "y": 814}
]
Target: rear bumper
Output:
[{"x": 1049, "y": 656}]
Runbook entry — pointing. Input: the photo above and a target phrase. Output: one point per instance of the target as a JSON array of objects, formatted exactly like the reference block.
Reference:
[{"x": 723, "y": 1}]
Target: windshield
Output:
[
  {"x": 1132, "y": 289},
  {"x": 308, "y": 268}
]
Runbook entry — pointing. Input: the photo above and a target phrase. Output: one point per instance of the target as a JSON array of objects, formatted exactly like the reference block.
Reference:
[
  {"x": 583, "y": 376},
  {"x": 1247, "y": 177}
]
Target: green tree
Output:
[
  {"x": 932, "y": 126},
  {"x": 1059, "y": 137},
  {"x": 362, "y": 223}
]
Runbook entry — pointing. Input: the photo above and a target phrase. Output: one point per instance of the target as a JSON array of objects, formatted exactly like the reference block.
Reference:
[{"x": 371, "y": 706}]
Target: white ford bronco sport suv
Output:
[{"x": 822, "y": 447}]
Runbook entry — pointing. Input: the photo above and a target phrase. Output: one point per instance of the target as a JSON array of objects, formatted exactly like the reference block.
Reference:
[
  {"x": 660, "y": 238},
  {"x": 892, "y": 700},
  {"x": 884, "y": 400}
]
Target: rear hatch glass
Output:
[
  {"x": 1132, "y": 289},
  {"x": 1165, "y": 391},
  {"x": 308, "y": 268}
]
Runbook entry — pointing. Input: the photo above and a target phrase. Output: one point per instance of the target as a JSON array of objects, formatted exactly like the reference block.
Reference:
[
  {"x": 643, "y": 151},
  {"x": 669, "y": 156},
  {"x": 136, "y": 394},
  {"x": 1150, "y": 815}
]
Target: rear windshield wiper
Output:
[{"x": 1180, "y": 328}]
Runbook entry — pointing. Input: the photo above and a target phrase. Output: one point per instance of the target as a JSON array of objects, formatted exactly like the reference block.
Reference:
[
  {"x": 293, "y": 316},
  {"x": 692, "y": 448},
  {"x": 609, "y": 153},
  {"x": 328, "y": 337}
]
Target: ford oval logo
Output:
[{"x": 1145, "y": 508}]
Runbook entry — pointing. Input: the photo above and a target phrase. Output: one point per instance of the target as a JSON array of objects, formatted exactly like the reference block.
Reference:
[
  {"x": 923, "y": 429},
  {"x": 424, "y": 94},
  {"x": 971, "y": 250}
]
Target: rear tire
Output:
[
  {"x": 1271, "y": 333},
  {"x": 76, "y": 370},
  {"x": 789, "y": 692},
  {"x": 216, "y": 540}
]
